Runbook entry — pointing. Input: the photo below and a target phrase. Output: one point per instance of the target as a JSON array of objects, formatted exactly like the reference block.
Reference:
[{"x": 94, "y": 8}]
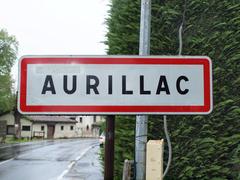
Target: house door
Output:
[{"x": 50, "y": 131}]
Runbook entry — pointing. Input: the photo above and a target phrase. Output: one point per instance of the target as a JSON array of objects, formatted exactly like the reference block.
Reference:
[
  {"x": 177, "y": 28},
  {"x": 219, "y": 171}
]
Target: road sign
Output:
[{"x": 115, "y": 85}]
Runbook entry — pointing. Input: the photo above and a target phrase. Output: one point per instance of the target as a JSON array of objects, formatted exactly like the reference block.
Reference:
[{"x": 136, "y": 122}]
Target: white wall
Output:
[
  {"x": 37, "y": 129},
  {"x": 81, "y": 127},
  {"x": 66, "y": 132},
  {"x": 58, "y": 133},
  {"x": 26, "y": 122},
  {"x": 100, "y": 119},
  {"x": 87, "y": 121}
]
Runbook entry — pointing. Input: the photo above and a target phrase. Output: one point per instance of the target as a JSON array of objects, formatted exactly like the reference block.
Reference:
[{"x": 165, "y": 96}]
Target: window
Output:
[
  {"x": 10, "y": 130},
  {"x": 80, "y": 119},
  {"x": 71, "y": 127},
  {"x": 42, "y": 128},
  {"x": 94, "y": 119},
  {"x": 25, "y": 128},
  {"x": 72, "y": 118},
  {"x": 62, "y": 128}
]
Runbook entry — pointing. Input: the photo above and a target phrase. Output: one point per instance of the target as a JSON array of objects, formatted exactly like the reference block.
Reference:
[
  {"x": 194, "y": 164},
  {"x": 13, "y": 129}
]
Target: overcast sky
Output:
[{"x": 56, "y": 27}]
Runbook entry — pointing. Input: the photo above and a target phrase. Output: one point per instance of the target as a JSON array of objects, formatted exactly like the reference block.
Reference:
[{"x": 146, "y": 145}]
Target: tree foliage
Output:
[
  {"x": 8, "y": 51},
  {"x": 204, "y": 147}
]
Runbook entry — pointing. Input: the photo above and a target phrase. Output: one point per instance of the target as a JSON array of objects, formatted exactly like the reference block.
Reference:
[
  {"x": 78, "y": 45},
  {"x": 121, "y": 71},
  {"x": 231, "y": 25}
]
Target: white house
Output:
[
  {"x": 89, "y": 126},
  {"x": 11, "y": 126},
  {"x": 54, "y": 126},
  {"x": 26, "y": 127}
]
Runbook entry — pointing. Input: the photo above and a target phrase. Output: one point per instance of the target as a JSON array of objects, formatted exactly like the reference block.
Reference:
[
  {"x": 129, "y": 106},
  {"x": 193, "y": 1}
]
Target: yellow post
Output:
[{"x": 154, "y": 160}]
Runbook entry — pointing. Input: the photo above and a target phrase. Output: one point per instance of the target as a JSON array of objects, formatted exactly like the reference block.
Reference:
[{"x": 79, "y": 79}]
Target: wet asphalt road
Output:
[{"x": 50, "y": 160}]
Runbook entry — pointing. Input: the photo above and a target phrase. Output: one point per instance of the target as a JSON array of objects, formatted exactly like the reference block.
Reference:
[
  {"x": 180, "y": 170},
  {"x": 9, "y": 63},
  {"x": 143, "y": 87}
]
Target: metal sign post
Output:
[{"x": 141, "y": 121}]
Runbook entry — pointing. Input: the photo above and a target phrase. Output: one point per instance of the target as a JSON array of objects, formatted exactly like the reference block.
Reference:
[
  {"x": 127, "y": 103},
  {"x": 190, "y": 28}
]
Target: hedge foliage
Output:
[{"x": 204, "y": 147}]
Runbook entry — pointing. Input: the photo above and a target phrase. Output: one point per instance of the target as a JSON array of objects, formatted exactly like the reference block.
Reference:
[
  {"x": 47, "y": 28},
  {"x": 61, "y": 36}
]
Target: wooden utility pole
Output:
[
  {"x": 17, "y": 119},
  {"x": 109, "y": 148}
]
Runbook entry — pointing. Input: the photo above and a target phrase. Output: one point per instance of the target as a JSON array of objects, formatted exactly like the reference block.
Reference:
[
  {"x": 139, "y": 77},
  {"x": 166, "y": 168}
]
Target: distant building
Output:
[
  {"x": 51, "y": 127},
  {"x": 54, "y": 126},
  {"x": 89, "y": 126}
]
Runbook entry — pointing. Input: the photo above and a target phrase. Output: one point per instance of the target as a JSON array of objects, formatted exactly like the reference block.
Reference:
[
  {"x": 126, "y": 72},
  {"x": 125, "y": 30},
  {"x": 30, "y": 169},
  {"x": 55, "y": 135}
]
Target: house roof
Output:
[{"x": 51, "y": 119}]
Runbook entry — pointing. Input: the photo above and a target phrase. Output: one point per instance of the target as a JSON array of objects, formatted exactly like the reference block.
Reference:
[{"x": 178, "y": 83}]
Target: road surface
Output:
[{"x": 51, "y": 160}]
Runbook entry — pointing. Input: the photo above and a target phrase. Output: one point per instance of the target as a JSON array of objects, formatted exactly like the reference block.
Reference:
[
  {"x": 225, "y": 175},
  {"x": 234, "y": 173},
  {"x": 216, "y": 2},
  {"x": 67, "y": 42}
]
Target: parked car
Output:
[{"x": 102, "y": 139}]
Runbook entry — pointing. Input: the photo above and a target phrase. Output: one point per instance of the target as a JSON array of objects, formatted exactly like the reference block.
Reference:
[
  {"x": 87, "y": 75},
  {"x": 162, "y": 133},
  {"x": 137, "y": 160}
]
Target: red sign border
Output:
[{"x": 115, "y": 109}]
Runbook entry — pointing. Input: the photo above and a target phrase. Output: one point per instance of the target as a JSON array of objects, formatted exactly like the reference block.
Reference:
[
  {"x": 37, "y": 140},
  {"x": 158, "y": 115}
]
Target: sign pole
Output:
[
  {"x": 142, "y": 121},
  {"x": 109, "y": 148}
]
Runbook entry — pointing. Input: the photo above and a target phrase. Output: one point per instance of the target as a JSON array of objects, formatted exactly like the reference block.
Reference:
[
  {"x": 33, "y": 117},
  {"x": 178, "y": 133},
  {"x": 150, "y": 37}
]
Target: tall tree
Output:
[{"x": 8, "y": 52}]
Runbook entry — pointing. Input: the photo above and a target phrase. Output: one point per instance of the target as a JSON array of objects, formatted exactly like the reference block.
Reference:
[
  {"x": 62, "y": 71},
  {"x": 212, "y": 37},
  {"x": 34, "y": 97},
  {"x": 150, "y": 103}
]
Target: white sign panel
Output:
[{"x": 115, "y": 85}]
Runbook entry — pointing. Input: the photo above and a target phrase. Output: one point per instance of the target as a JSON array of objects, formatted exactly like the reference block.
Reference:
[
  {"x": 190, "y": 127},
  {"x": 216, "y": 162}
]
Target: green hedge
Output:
[{"x": 204, "y": 147}]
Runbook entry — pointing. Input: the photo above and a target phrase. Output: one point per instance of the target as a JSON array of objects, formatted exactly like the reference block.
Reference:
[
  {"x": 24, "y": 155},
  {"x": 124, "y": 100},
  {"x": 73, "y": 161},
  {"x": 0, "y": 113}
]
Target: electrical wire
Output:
[
  {"x": 180, "y": 39},
  {"x": 180, "y": 31},
  {"x": 169, "y": 146}
]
